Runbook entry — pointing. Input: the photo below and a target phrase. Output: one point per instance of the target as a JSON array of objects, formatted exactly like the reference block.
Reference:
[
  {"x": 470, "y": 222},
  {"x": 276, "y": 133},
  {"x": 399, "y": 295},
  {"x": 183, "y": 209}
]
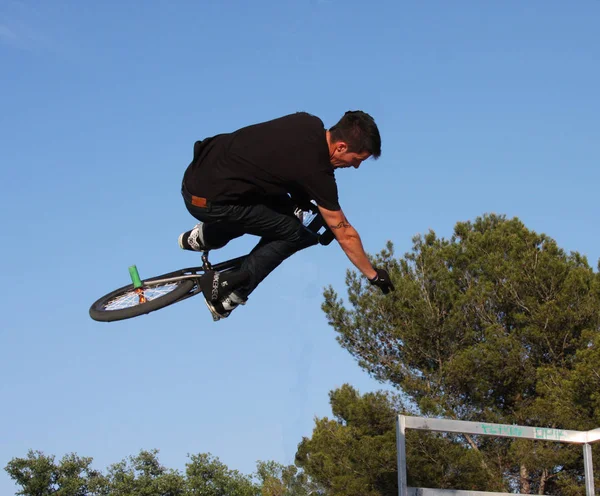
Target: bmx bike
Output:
[{"x": 144, "y": 296}]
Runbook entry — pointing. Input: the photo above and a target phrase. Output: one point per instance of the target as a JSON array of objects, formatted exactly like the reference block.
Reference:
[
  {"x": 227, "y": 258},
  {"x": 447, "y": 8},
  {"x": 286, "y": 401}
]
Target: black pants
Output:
[{"x": 282, "y": 234}]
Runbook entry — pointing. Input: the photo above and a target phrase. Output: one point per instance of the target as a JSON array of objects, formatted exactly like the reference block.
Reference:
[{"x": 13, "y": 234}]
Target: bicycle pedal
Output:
[{"x": 216, "y": 317}]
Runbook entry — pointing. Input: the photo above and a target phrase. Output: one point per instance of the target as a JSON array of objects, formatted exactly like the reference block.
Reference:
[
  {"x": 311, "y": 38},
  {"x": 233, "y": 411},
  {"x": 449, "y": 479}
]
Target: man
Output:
[{"x": 248, "y": 181}]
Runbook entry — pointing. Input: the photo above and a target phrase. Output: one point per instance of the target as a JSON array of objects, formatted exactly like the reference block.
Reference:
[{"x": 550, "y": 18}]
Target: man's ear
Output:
[{"x": 341, "y": 147}]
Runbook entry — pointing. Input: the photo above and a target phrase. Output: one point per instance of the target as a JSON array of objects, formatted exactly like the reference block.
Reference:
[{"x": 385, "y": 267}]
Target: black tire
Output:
[{"x": 101, "y": 311}]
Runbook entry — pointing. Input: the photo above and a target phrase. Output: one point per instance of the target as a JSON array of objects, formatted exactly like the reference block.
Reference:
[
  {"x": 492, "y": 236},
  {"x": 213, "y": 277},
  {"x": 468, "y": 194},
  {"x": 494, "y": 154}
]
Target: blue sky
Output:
[{"x": 483, "y": 106}]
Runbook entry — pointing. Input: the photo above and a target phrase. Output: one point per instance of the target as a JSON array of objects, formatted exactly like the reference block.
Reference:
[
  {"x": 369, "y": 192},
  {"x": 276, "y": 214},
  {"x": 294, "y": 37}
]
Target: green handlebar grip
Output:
[{"x": 135, "y": 277}]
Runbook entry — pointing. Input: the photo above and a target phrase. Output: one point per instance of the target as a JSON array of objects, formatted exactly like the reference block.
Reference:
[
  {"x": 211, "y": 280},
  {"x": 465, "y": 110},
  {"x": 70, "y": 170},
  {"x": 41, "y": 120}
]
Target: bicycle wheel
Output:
[{"x": 127, "y": 302}]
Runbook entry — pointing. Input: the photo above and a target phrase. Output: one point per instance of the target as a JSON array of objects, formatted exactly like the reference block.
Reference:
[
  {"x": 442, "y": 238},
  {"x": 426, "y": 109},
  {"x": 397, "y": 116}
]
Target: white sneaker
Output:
[
  {"x": 216, "y": 315},
  {"x": 232, "y": 301},
  {"x": 193, "y": 240},
  {"x": 223, "y": 308}
]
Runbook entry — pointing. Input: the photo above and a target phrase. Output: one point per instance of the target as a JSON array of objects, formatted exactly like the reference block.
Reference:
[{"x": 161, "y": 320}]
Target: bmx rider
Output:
[{"x": 249, "y": 181}]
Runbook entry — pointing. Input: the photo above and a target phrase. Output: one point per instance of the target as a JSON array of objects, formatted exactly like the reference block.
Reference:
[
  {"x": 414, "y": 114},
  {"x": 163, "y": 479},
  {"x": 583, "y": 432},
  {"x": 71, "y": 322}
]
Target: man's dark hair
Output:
[{"x": 358, "y": 130}]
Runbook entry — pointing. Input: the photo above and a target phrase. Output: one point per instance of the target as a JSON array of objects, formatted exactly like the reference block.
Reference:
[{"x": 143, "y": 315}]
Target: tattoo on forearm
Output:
[{"x": 344, "y": 223}]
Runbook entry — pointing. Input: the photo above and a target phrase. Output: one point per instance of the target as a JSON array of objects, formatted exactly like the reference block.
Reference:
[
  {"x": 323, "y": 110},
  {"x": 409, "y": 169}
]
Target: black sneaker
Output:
[
  {"x": 193, "y": 240},
  {"x": 216, "y": 285}
]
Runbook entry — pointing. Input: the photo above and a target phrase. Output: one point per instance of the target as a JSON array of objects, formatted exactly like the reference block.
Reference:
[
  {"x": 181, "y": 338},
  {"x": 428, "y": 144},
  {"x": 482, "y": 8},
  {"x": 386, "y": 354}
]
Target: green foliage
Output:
[
  {"x": 143, "y": 475},
  {"x": 278, "y": 480},
  {"x": 207, "y": 476},
  {"x": 448, "y": 462},
  {"x": 355, "y": 453},
  {"x": 40, "y": 475},
  {"x": 497, "y": 324}
]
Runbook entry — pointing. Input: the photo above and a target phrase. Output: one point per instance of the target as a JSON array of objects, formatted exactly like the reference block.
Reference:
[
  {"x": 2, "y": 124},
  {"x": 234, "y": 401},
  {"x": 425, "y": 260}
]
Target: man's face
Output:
[{"x": 342, "y": 158}]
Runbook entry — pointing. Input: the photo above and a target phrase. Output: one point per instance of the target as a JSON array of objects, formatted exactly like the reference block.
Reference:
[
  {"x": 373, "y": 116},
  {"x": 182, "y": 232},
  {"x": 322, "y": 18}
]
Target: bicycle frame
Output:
[{"x": 196, "y": 272}]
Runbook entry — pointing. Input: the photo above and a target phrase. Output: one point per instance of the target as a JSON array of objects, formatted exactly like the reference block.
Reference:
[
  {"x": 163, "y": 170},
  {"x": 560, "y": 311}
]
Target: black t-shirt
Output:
[{"x": 273, "y": 158}]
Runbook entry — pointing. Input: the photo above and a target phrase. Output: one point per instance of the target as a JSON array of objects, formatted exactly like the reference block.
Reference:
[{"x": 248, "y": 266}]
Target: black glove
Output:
[{"x": 382, "y": 281}]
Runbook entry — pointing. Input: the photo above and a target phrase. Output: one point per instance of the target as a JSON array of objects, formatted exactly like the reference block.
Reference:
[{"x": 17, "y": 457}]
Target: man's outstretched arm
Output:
[{"x": 350, "y": 242}]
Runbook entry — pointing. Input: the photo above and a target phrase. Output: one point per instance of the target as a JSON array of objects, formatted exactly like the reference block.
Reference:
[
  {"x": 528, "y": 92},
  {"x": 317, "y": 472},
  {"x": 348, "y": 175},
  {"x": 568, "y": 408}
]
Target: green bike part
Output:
[{"x": 135, "y": 277}]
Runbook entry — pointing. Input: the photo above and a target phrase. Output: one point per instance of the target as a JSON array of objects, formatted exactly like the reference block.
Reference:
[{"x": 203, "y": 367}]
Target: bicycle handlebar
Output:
[{"x": 317, "y": 223}]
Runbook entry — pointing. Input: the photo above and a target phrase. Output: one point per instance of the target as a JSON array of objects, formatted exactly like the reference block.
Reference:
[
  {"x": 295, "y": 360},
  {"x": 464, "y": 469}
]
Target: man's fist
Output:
[{"x": 382, "y": 281}]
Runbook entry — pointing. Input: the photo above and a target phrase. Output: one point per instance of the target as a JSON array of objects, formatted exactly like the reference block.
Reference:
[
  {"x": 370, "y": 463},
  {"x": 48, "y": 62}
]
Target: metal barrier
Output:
[{"x": 486, "y": 429}]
